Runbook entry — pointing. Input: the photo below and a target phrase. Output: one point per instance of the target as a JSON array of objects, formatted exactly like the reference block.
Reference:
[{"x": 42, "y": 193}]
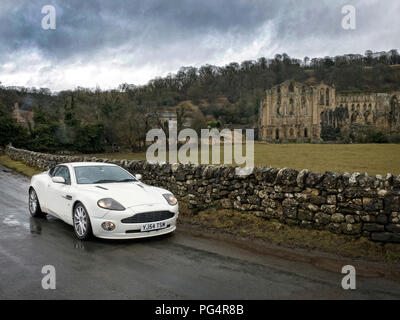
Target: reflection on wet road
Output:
[{"x": 180, "y": 266}]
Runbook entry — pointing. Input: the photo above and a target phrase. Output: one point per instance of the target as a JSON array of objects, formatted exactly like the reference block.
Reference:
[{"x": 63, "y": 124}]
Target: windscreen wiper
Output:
[
  {"x": 126, "y": 180},
  {"x": 104, "y": 181}
]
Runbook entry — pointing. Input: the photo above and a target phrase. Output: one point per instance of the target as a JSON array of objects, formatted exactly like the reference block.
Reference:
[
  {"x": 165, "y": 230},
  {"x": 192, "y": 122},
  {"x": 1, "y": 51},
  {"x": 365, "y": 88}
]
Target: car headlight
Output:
[
  {"x": 172, "y": 201},
  {"x": 110, "y": 204}
]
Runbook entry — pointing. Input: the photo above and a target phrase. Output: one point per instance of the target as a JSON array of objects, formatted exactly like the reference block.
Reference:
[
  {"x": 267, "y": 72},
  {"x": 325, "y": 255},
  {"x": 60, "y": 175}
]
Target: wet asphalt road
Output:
[{"x": 180, "y": 266}]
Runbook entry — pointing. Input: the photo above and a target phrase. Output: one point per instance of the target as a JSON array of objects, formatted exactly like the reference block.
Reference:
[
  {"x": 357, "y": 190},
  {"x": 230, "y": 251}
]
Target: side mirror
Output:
[
  {"x": 58, "y": 180},
  {"x": 138, "y": 176}
]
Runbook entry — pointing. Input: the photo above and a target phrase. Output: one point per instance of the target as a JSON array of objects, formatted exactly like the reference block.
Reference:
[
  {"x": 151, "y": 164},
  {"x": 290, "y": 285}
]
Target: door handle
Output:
[{"x": 68, "y": 197}]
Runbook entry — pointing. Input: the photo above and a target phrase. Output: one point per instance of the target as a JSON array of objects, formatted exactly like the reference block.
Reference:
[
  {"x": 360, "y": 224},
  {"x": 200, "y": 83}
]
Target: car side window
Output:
[
  {"x": 63, "y": 172},
  {"x": 51, "y": 171}
]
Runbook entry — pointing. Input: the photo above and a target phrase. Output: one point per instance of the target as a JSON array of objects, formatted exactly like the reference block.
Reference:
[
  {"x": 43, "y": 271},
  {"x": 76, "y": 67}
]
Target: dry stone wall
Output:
[{"x": 353, "y": 204}]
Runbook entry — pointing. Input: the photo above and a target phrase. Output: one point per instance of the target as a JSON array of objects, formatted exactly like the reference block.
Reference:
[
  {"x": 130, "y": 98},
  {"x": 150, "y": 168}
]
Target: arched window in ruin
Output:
[
  {"x": 278, "y": 111},
  {"x": 291, "y": 87},
  {"x": 291, "y": 107},
  {"x": 353, "y": 117},
  {"x": 352, "y": 113},
  {"x": 369, "y": 114},
  {"x": 327, "y": 97},
  {"x": 365, "y": 112},
  {"x": 394, "y": 114},
  {"x": 323, "y": 118},
  {"x": 330, "y": 118},
  {"x": 291, "y": 132},
  {"x": 277, "y": 134},
  {"x": 321, "y": 102},
  {"x": 305, "y": 133},
  {"x": 303, "y": 105},
  {"x": 278, "y": 90}
]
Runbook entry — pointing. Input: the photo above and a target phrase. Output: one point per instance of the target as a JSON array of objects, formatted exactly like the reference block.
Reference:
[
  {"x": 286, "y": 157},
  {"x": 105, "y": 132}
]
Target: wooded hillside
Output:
[{"x": 88, "y": 120}]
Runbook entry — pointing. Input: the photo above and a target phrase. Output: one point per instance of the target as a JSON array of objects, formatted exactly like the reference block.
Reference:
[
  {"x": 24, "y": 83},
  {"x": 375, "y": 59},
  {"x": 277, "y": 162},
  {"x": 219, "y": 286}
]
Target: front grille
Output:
[{"x": 151, "y": 216}]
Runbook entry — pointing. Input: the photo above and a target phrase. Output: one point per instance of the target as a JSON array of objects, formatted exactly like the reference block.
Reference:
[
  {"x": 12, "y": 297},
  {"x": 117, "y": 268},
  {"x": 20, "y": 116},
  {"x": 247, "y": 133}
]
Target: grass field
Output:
[{"x": 370, "y": 158}]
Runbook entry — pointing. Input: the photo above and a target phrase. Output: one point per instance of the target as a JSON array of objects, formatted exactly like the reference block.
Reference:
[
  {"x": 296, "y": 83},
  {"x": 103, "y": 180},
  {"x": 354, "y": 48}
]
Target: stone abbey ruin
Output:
[{"x": 296, "y": 112}]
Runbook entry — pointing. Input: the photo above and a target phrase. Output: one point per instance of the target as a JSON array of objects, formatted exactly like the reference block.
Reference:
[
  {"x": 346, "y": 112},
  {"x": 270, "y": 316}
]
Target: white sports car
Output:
[{"x": 103, "y": 200}]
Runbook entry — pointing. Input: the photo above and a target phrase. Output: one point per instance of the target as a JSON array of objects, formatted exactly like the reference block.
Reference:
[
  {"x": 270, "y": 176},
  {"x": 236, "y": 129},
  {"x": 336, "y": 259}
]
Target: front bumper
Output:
[{"x": 132, "y": 230}]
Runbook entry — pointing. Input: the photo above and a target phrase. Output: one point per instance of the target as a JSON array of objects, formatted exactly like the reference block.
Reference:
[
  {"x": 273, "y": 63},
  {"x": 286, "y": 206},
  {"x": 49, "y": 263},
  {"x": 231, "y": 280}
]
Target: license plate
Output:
[{"x": 153, "y": 226}]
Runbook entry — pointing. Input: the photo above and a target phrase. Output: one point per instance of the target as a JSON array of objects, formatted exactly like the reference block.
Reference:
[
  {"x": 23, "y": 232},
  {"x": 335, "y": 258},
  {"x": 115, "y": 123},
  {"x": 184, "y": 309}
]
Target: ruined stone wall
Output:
[
  {"x": 294, "y": 112},
  {"x": 291, "y": 112},
  {"x": 381, "y": 110},
  {"x": 353, "y": 204}
]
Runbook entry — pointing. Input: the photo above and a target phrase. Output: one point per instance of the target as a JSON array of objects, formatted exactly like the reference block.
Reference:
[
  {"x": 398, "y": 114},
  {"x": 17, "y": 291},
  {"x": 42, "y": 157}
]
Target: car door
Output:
[
  {"x": 42, "y": 189},
  {"x": 59, "y": 194}
]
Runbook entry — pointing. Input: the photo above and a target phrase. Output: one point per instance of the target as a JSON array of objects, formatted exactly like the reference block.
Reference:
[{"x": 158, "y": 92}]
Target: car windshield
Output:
[{"x": 102, "y": 174}]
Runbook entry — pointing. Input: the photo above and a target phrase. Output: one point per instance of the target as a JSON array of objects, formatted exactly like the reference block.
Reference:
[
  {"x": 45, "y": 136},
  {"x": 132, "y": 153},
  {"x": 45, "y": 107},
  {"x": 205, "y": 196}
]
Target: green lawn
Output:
[
  {"x": 371, "y": 158},
  {"x": 18, "y": 166}
]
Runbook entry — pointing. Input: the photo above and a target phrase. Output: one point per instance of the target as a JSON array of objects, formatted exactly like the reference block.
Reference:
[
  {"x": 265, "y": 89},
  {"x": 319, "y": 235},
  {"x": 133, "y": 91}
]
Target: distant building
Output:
[
  {"x": 167, "y": 116},
  {"x": 296, "y": 112},
  {"x": 23, "y": 117}
]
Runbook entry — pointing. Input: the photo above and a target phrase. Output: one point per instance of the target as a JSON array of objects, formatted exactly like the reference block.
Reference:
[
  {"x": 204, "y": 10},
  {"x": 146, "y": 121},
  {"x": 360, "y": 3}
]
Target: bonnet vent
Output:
[{"x": 101, "y": 187}]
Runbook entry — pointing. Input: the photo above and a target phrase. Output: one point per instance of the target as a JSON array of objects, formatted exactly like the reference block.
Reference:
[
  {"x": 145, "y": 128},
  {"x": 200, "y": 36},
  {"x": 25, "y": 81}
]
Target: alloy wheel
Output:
[
  {"x": 80, "y": 221},
  {"x": 33, "y": 201}
]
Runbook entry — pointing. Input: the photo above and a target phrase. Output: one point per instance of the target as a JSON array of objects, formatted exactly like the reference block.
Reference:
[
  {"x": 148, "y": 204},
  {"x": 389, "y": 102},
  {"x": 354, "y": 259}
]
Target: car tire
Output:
[
  {"x": 81, "y": 222},
  {"x": 34, "y": 205}
]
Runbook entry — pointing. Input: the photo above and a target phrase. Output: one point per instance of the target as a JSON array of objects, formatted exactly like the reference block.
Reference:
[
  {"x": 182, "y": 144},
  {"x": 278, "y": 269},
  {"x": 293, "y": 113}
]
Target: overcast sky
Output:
[{"x": 108, "y": 42}]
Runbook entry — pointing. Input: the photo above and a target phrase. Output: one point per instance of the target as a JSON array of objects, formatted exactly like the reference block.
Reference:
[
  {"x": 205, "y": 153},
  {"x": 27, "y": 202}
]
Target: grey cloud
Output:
[
  {"x": 165, "y": 32},
  {"x": 85, "y": 27}
]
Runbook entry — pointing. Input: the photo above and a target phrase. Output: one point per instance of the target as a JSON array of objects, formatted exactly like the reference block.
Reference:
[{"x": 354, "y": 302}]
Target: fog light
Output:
[{"x": 108, "y": 226}]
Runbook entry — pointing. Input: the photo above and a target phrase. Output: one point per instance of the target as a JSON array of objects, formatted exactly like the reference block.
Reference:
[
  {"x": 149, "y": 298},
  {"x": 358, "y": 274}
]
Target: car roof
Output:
[{"x": 89, "y": 164}]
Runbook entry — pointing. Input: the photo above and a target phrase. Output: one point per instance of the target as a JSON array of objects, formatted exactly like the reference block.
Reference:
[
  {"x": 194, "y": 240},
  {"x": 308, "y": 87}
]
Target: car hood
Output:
[{"x": 128, "y": 194}]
